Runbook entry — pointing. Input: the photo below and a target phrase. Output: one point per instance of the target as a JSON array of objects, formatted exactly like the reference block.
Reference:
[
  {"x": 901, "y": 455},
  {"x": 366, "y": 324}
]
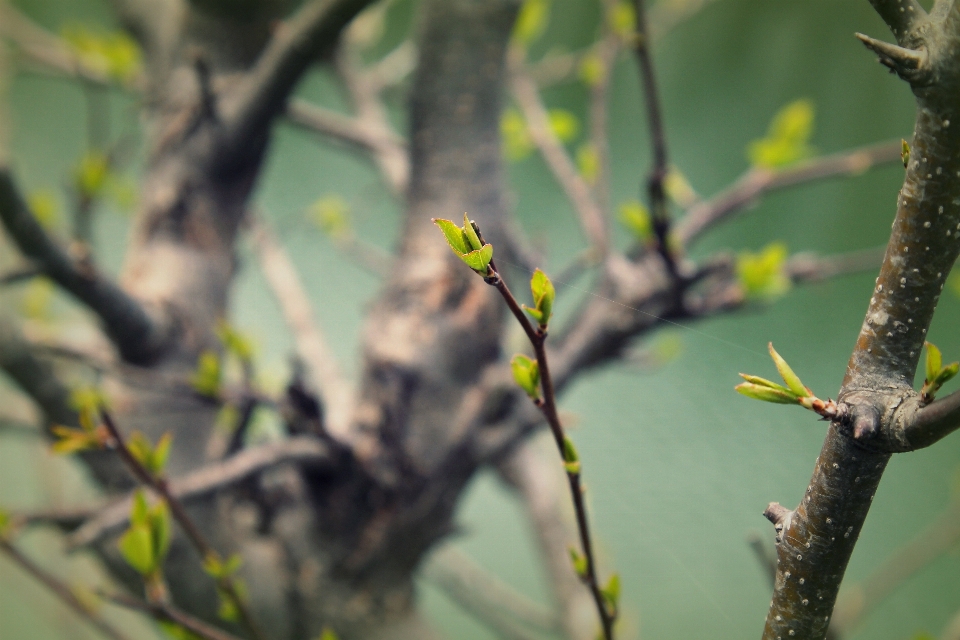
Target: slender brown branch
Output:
[
  {"x": 548, "y": 406},
  {"x": 167, "y": 612},
  {"x": 489, "y": 599},
  {"x": 656, "y": 193},
  {"x": 877, "y": 400},
  {"x": 160, "y": 485},
  {"x": 312, "y": 347},
  {"x": 758, "y": 182},
  {"x": 575, "y": 187},
  {"x": 902, "y": 16},
  {"x": 19, "y": 275},
  {"x": 103, "y": 520},
  {"x": 390, "y": 157},
  {"x": 294, "y": 46},
  {"x": 63, "y": 592},
  {"x": 533, "y": 475},
  {"x": 138, "y": 335}
]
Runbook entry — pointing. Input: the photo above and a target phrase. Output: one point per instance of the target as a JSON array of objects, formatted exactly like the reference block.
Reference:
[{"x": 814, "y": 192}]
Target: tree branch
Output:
[
  {"x": 138, "y": 334},
  {"x": 63, "y": 592},
  {"x": 106, "y": 520},
  {"x": 902, "y": 16},
  {"x": 166, "y": 612},
  {"x": 493, "y": 602},
  {"x": 293, "y": 48},
  {"x": 758, "y": 182},
  {"x": 592, "y": 220},
  {"x": 538, "y": 485},
  {"x": 656, "y": 194},
  {"x": 284, "y": 281},
  {"x": 815, "y": 541}
]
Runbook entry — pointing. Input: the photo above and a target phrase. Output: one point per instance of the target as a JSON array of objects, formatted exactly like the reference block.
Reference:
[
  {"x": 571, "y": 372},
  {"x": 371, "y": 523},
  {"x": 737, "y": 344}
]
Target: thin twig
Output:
[
  {"x": 312, "y": 347},
  {"x": 159, "y": 484},
  {"x": 61, "y": 591},
  {"x": 101, "y": 520},
  {"x": 19, "y": 275},
  {"x": 757, "y": 182},
  {"x": 167, "y": 612},
  {"x": 548, "y": 406},
  {"x": 136, "y": 333},
  {"x": 592, "y": 221},
  {"x": 490, "y": 600},
  {"x": 658, "y": 173}
]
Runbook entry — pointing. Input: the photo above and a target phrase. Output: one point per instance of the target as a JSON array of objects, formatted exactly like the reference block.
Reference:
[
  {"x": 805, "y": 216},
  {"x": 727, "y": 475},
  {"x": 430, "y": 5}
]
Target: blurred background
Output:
[{"x": 678, "y": 466}]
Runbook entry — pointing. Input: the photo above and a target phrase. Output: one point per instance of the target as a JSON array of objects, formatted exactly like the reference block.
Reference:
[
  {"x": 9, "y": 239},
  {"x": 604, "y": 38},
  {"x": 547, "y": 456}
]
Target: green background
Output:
[{"x": 678, "y": 466}]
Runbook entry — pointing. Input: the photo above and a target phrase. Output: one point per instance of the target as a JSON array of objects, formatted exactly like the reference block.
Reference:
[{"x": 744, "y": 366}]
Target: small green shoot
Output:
[
  {"x": 152, "y": 458},
  {"x": 936, "y": 374},
  {"x": 206, "y": 379},
  {"x": 571, "y": 459},
  {"x": 543, "y": 296},
  {"x": 793, "y": 393},
  {"x": 635, "y": 218},
  {"x": 526, "y": 373},
  {"x": 763, "y": 275},
  {"x": 787, "y": 139},
  {"x": 145, "y": 543},
  {"x": 905, "y": 152},
  {"x": 465, "y": 243},
  {"x": 611, "y": 594},
  {"x": 579, "y": 563}
]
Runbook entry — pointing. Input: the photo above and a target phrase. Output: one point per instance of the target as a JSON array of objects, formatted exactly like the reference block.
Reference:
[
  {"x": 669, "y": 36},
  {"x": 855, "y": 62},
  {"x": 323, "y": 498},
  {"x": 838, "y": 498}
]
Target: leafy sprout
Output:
[{"x": 787, "y": 139}]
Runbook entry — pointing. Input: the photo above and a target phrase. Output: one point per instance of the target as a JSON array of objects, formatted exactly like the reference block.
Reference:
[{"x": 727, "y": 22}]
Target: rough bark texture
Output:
[{"x": 816, "y": 540}]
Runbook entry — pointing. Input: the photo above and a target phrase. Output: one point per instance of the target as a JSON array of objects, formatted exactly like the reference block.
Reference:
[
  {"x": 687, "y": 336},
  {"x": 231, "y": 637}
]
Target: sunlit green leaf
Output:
[
  {"x": 45, "y": 208},
  {"x": 763, "y": 274},
  {"x": 136, "y": 547},
  {"x": 114, "y": 54},
  {"x": 792, "y": 380},
  {"x": 454, "y": 236},
  {"x": 591, "y": 70},
  {"x": 206, "y": 378},
  {"x": 579, "y": 562},
  {"x": 767, "y": 394},
  {"x": 571, "y": 460},
  {"x": 636, "y": 219},
  {"x": 622, "y": 19},
  {"x": 787, "y": 139},
  {"x": 934, "y": 361},
  {"x": 526, "y": 373},
  {"x": 588, "y": 162},
  {"x": 470, "y": 234},
  {"x": 92, "y": 173},
  {"x": 531, "y": 21},
  {"x": 332, "y": 214},
  {"x": 564, "y": 124},
  {"x": 517, "y": 143},
  {"x": 328, "y": 634}
]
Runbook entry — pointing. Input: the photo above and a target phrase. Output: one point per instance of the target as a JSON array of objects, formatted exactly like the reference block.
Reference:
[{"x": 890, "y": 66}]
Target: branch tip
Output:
[{"x": 776, "y": 513}]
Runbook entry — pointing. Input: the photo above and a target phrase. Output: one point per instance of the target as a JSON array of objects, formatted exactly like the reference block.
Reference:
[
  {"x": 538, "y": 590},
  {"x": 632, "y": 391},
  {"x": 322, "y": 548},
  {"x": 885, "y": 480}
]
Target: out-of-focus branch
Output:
[
  {"x": 35, "y": 376},
  {"x": 168, "y": 613},
  {"x": 213, "y": 477},
  {"x": 43, "y": 48},
  {"x": 538, "y": 485},
  {"x": 284, "y": 281},
  {"x": 952, "y": 630},
  {"x": 809, "y": 267},
  {"x": 606, "y": 51},
  {"x": 861, "y": 599},
  {"x": 656, "y": 193},
  {"x": 138, "y": 334},
  {"x": 64, "y": 593},
  {"x": 19, "y": 275},
  {"x": 391, "y": 158},
  {"x": 592, "y": 220},
  {"x": 295, "y": 45},
  {"x": 756, "y": 182},
  {"x": 508, "y": 612}
]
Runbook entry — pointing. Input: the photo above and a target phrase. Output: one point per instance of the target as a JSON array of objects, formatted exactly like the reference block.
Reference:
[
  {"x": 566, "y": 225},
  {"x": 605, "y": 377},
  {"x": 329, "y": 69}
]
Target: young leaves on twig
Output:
[
  {"x": 465, "y": 243},
  {"x": 936, "y": 374},
  {"x": 145, "y": 543},
  {"x": 90, "y": 435},
  {"x": 526, "y": 373},
  {"x": 152, "y": 458},
  {"x": 794, "y": 393},
  {"x": 571, "y": 459},
  {"x": 543, "y": 296}
]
